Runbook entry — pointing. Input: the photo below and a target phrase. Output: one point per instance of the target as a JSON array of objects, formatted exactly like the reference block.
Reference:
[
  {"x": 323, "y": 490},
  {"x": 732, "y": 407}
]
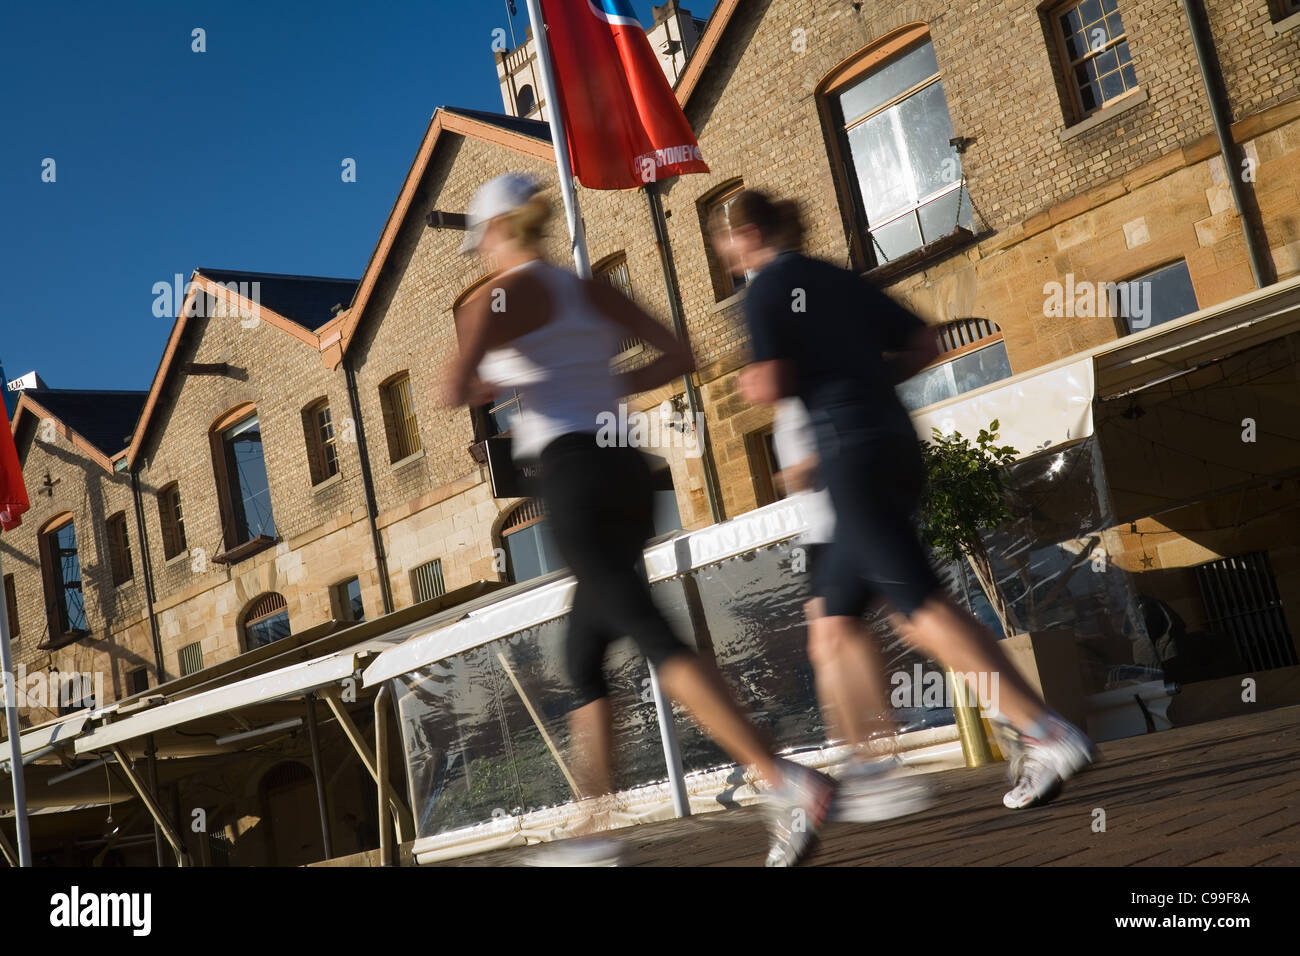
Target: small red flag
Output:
[
  {"x": 624, "y": 123},
  {"x": 13, "y": 493}
]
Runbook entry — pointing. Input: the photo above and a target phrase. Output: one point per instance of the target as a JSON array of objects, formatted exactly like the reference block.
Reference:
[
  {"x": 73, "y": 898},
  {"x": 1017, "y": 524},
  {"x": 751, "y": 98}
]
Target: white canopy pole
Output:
[
  {"x": 560, "y": 141},
  {"x": 15, "y": 743}
]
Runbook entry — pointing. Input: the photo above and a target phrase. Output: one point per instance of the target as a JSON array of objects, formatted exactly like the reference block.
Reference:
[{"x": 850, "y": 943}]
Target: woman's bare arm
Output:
[{"x": 675, "y": 359}]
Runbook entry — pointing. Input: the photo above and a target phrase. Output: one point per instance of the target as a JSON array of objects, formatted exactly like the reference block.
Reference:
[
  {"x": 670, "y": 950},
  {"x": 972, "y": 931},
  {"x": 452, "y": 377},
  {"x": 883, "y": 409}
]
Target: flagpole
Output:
[
  {"x": 15, "y": 743},
  {"x": 560, "y": 141}
]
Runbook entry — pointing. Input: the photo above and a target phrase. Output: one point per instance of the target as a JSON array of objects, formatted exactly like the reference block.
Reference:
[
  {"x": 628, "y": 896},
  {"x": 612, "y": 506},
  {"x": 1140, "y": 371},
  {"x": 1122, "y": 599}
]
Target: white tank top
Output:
[{"x": 560, "y": 370}]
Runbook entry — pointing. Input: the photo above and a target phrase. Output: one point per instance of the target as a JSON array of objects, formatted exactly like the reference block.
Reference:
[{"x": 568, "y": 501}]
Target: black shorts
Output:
[
  {"x": 600, "y": 508},
  {"x": 875, "y": 486}
]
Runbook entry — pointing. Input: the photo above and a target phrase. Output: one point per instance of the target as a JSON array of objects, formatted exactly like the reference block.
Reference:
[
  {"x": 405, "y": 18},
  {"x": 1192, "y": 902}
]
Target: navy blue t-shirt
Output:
[{"x": 833, "y": 327}]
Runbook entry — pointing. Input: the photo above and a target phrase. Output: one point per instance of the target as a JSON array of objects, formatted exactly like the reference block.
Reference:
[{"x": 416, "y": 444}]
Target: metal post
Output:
[
  {"x": 315, "y": 772},
  {"x": 381, "y": 774},
  {"x": 672, "y": 753},
  {"x": 151, "y": 752},
  {"x": 974, "y": 745},
  {"x": 712, "y": 490},
  {"x": 15, "y": 737},
  {"x": 147, "y": 798},
  {"x": 401, "y": 813},
  {"x": 560, "y": 140}
]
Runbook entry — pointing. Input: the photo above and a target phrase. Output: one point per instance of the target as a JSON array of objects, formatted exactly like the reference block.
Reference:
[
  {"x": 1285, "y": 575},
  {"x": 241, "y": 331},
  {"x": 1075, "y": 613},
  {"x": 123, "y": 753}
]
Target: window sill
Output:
[
  {"x": 246, "y": 550},
  {"x": 333, "y": 479},
  {"x": 413, "y": 457},
  {"x": 176, "y": 558},
  {"x": 55, "y": 641},
  {"x": 623, "y": 356},
  {"x": 1093, "y": 120},
  {"x": 124, "y": 585},
  {"x": 887, "y": 272},
  {"x": 723, "y": 304},
  {"x": 1291, "y": 22}
]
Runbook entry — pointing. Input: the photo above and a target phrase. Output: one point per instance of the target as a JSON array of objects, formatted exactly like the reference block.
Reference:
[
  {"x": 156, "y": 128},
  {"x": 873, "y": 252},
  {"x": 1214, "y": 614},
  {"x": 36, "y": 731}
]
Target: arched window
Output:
[
  {"x": 526, "y": 101},
  {"x": 397, "y": 401},
  {"x": 973, "y": 355},
  {"x": 898, "y": 174},
  {"x": 172, "y": 520},
  {"x": 530, "y": 550},
  {"x": 613, "y": 270},
  {"x": 266, "y": 620},
  {"x": 242, "y": 481},
  {"x": 717, "y": 205},
  {"x": 322, "y": 450},
  {"x": 119, "y": 548},
  {"x": 61, "y": 571}
]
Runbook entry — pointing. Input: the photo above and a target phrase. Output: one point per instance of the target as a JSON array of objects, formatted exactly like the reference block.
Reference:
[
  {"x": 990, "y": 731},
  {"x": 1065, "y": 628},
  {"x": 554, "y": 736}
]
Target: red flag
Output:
[
  {"x": 623, "y": 121},
  {"x": 13, "y": 493}
]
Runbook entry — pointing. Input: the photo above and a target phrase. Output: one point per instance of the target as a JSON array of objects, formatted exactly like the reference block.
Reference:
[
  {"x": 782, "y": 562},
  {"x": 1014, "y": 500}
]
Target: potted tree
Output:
[{"x": 965, "y": 496}]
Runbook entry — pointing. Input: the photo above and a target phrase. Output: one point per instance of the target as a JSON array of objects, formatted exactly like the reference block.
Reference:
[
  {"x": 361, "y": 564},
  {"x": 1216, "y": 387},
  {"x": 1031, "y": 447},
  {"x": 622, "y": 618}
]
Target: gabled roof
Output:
[
  {"x": 528, "y": 137},
  {"x": 307, "y": 296},
  {"x": 307, "y": 300},
  {"x": 704, "y": 50},
  {"x": 100, "y": 423},
  {"x": 515, "y": 124}
]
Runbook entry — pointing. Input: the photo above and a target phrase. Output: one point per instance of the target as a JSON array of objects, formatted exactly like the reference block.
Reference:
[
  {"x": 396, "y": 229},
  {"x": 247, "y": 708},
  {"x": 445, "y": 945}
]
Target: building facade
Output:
[{"x": 1035, "y": 180}]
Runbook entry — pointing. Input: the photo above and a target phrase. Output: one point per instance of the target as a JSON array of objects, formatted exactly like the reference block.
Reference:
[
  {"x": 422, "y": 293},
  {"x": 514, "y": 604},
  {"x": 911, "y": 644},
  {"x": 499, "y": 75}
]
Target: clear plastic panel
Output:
[{"x": 476, "y": 726}]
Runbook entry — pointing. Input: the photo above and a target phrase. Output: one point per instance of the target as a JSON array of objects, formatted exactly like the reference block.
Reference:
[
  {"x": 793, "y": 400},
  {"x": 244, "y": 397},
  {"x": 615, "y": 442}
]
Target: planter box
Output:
[{"x": 1049, "y": 661}]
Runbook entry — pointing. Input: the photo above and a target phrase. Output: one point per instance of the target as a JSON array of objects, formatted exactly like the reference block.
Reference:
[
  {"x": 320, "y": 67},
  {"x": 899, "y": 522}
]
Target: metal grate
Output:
[
  {"x": 528, "y": 512},
  {"x": 963, "y": 332},
  {"x": 1242, "y": 602},
  {"x": 191, "y": 658},
  {"x": 426, "y": 581},
  {"x": 266, "y": 605}
]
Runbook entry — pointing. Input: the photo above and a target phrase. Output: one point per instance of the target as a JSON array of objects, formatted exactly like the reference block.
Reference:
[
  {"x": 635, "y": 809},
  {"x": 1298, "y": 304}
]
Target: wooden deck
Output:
[{"x": 1222, "y": 793}]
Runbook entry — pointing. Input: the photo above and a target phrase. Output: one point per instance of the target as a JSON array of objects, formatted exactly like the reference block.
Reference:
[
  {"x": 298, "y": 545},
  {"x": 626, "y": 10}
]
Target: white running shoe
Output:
[
  {"x": 582, "y": 851},
  {"x": 871, "y": 791},
  {"x": 1046, "y": 764},
  {"x": 796, "y": 811}
]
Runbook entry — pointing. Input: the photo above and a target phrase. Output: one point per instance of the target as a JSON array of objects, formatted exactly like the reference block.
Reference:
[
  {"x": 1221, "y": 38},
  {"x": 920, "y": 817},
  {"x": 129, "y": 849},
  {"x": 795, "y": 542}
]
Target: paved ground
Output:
[{"x": 1224, "y": 793}]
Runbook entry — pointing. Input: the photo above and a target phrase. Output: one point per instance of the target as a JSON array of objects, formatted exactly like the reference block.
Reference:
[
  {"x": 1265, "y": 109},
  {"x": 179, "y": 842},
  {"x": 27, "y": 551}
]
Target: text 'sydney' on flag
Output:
[
  {"x": 13, "y": 493},
  {"x": 624, "y": 124}
]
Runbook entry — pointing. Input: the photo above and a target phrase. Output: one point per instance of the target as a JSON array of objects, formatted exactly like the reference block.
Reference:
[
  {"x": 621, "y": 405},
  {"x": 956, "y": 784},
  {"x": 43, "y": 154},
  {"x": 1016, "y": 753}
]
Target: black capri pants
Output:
[{"x": 600, "y": 508}]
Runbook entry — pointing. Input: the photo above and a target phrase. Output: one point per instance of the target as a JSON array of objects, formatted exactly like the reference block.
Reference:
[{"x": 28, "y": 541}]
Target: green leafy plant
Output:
[{"x": 965, "y": 495}]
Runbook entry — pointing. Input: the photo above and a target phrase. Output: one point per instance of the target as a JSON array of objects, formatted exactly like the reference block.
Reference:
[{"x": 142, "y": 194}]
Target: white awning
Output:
[
  {"x": 1034, "y": 410},
  {"x": 39, "y": 738},
  {"x": 292, "y": 681}
]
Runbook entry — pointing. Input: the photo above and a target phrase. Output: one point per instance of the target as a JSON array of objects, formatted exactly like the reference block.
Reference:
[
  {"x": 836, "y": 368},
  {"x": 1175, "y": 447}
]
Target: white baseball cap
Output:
[{"x": 496, "y": 197}]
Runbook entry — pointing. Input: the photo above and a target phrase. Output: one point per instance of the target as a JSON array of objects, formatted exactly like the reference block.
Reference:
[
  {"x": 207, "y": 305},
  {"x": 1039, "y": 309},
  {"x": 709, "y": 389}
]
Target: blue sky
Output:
[{"x": 168, "y": 160}]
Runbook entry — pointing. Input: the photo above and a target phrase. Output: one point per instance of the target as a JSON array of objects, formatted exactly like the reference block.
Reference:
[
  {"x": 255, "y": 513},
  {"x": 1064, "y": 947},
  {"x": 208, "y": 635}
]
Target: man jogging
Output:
[{"x": 831, "y": 338}]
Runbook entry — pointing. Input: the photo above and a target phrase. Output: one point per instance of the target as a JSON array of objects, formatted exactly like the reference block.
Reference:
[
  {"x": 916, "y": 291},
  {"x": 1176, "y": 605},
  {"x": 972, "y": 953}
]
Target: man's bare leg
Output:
[{"x": 849, "y": 676}]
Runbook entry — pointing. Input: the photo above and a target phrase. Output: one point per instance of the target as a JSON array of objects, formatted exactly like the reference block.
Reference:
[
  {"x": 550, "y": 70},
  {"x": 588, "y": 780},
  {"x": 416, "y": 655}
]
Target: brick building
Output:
[{"x": 967, "y": 160}]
